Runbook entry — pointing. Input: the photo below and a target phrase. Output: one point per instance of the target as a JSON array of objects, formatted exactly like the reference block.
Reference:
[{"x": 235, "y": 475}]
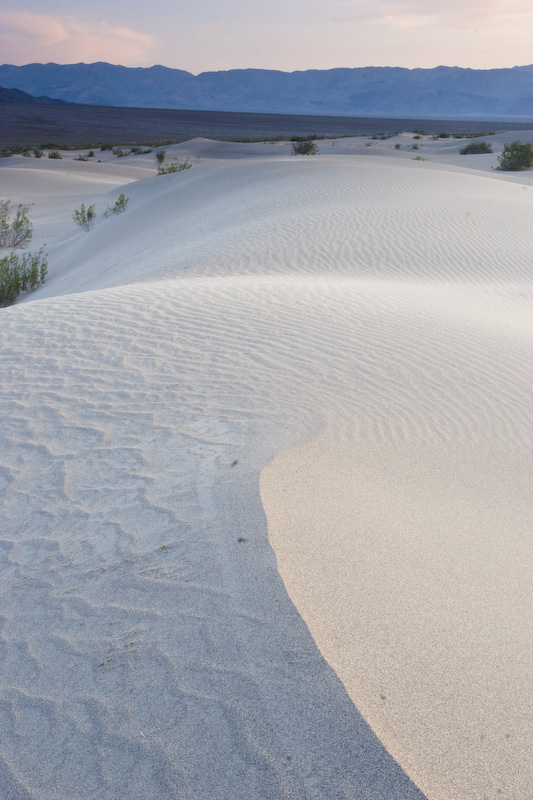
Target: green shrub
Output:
[
  {"x": 160, "y": 156},
  {"x": 84, "y": 217},
  {"x": 397, "y": 146},
  {"x": 119, "y": 152},
  {"x": 21, "y": 274},
  {"x": 516, "y": 156},
  {"x": 106, "y": 147},
  {"x": 54, "y": 154},
  {"x": 90, "y": 154},
  {"x": 415, "y": 146},
  {"x": 37, "y": 153},
  {"x": 16, "y": 229},
  {"x": 304, "y": 147},
  {"x": 119, "y": 207},
  {"x": 176, "y": 166},
  {"x": 476, "y": 147},
  {"x": 81, "y": 158}
]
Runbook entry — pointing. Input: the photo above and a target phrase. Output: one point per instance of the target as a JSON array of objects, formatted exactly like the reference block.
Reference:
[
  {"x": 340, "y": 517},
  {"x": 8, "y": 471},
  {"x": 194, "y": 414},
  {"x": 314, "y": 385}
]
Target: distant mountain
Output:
[
  {"x": 17, "y": 96},
  {"x": 367, "y": 91}
]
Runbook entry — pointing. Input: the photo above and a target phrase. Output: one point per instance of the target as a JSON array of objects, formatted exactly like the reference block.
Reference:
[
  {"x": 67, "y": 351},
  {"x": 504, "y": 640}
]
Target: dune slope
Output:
[{"x": 361, "y": 326}]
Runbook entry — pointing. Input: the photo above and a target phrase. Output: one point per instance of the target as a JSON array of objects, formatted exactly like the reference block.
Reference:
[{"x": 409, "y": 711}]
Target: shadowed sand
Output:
[{"x": 344, "y": 338}]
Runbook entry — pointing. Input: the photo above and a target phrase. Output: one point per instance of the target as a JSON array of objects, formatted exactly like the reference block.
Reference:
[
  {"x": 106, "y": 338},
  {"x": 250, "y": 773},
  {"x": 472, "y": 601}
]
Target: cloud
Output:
[{"x": 27, "y": 37}]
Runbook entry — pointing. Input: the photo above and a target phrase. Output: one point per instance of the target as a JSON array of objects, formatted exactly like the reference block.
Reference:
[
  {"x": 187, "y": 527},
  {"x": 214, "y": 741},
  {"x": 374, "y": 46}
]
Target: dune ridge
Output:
[{"x": 341, "y": 344}]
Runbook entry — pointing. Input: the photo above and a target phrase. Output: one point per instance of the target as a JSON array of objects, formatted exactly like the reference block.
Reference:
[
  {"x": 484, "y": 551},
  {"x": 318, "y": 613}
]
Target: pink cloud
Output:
[{"x": 28, "y": 37}]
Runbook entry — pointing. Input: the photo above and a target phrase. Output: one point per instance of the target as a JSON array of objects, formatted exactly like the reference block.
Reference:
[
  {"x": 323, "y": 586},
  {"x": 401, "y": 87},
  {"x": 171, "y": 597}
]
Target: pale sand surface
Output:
[{"x": 360, "y": 324}]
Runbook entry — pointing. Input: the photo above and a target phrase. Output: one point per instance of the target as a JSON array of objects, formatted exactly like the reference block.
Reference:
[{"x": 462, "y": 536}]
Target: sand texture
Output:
[{"x": 265, "y": 462}]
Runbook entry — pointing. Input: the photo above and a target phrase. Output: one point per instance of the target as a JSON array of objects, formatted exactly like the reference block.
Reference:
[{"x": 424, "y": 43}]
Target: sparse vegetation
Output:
[
  {"x": 16, "y": 229},
  {"x": 176, "y": 166},
  {"x": 119, "y": 152},
  {"x": 84, "y": 217},
  {"x": 21, "y": 274},
  {"x": 90, "y": 154},
  {"x": 119, "y": 207},
  {"x": 476, "y": 147},
  {"x": 37, "y": 153},
  {"x": 304, "y": 146},
  {"x": 415, "y": 146},
  {"x": 516, "y": 156},
  {"x": 397, "y": 146},
  {"x": 54, "y": 154},
  {"x": 160, "y": 157}
]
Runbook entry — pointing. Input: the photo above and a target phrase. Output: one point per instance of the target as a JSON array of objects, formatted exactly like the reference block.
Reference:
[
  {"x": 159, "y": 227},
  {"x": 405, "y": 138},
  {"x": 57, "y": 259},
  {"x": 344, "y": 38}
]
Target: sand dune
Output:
[{"x": 338, "y": 347}]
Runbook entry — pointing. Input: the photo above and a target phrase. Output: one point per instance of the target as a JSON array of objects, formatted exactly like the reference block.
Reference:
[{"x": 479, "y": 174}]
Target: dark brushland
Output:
[
  {"x": 443, "y": 92},
  {"x": 41, "y": 124}
]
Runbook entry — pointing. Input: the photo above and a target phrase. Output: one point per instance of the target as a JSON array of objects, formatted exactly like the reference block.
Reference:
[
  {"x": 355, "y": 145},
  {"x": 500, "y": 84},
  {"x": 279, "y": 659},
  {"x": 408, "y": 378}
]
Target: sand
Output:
[{"x": 265, "y": 478}]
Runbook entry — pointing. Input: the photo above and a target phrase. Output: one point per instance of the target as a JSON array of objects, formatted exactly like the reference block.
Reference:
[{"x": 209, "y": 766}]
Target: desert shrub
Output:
[
  {"x": 37, "y": 153},
  {"x": 368, "y": 144},
  {"x": 417, "y": 136},
  {"x": 476, "y": 147},
  {"x": 84, "y": 217},
  {"x": 304, "y": 147},
  {"x": 21, "y": 274},
  {"x": 119, "y": 207},
  {"x": 119, "y": 152},
  {"x": 16, "y": 229},
  {"x": 415, "y": 146},
  {"x": 81, "y": 158},
  {"x": 516, "y": 156},
  {"x": 90, "y": 154},
  {"x": 106, "y": 147},
  {"x": 160, "y": 156},
  {"x": 176, "y": 166},
  {"x": 54, "y": 154},
  {"x": 397, "y": 146},
  {"x": 139, "y": 151}
]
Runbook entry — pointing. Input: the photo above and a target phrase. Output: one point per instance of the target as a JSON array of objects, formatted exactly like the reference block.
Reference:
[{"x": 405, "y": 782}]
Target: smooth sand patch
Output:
[{"x": 412, "y": 568}]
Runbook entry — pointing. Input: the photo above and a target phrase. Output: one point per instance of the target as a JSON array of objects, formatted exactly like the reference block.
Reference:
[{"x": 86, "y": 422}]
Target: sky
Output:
[{"x": 286, "y": 35}]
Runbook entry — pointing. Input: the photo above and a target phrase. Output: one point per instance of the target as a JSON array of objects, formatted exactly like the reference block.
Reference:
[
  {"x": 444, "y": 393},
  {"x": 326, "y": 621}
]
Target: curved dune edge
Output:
[{"x": 409, "y": 566}]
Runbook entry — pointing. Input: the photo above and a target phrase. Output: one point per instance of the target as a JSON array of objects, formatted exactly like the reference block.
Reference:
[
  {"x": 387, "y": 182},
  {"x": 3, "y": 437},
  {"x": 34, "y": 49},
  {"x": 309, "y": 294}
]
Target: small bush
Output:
[
  {"x": 16, "y": 229},
  {"x": 397, "y": 146},
  {"x": 84, "y": 217},
  {"x": 160, "y": 157},
  {"x": 415, "y": 146},
  {"x": 81, "y": 158},
  {"x": 119, "y": 207},
  {"x": 54, "y": 154},
  {"x": 21, "y": 274},
  {"x": 174, "y": 167},
  {"x": 90, "y": 154},
  {"x": 476, "y": 147},
  {"x": 304, "y": 147},
  {"x": 37, "y": 153},
  {"x": 106, "y": 147},
  {"x": 516, "y": 156},
  {"x": 119, "y": 152},
  {"x": 417, "y": 136}
]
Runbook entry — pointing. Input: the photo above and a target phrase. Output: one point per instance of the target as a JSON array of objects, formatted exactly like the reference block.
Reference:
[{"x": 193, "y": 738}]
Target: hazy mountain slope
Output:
[{"x": 383, "y": 90}]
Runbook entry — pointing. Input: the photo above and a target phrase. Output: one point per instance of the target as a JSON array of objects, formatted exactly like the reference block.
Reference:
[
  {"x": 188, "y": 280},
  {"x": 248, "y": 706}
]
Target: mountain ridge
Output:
[{"x": 387, "y": 91}]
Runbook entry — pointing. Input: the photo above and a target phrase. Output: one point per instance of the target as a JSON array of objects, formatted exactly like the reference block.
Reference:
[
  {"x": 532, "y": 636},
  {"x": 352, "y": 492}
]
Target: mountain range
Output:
[{"x": 375, "y": 91}]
